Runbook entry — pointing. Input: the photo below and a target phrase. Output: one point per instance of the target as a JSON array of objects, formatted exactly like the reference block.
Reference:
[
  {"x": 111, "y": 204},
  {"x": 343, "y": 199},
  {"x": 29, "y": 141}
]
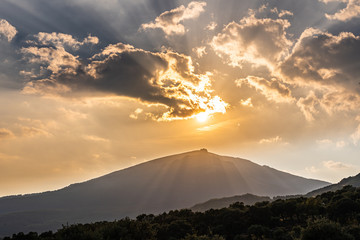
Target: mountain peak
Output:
[{"x": 204, "y": 150}]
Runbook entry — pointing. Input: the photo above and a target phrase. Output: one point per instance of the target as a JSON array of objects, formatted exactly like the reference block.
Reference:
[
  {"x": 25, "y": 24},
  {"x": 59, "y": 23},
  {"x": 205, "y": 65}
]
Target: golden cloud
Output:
[
  {"x": 351, "y": 10},
  {"x": 62, "y": 40},
  {"x": 56, "y": 59},
  {"x": 272, "y": 89},
  {"x": 258, "y": 41},
  {"x": 7, "y": 30}
]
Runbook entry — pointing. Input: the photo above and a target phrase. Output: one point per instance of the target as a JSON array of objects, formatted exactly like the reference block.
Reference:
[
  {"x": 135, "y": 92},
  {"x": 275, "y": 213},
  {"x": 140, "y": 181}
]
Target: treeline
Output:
[{"x": 330, "y": 216}]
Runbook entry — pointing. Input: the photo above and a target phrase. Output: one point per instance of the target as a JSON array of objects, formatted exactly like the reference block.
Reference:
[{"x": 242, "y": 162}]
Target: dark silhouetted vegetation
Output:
[{"x": 330, "y": 216}]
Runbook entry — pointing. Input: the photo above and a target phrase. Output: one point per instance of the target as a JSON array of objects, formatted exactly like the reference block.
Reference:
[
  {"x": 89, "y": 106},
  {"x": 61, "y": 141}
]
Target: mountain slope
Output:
[
  {"x": 218, "y": 203},
  {"x": 172, "y": 182},
  {"x": 353, "y": 181}
]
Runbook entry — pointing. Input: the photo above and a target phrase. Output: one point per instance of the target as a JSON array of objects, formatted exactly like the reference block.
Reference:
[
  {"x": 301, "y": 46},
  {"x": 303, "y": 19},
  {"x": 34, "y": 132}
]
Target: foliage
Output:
[{"x": 331, "y": 216}]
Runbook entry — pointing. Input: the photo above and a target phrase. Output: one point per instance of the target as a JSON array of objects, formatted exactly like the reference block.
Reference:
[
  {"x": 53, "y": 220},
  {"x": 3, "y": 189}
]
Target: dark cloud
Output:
[
  {"x": 325, "y": 59},
  {"x": 127, "y": 72},
  {"x": 326, "y": 67},
  {"x": 165, "y": 78}
]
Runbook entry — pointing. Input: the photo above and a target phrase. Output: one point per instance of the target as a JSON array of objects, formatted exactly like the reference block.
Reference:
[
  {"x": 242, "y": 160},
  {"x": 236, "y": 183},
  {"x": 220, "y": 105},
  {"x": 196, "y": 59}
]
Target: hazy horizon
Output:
[{"x": 90, "y": 87}]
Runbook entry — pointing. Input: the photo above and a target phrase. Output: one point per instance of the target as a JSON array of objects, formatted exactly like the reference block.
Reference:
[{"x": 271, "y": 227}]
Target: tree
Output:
[
  {"x": 258, "y": 231},
  {"x": 325, "y": 230}
]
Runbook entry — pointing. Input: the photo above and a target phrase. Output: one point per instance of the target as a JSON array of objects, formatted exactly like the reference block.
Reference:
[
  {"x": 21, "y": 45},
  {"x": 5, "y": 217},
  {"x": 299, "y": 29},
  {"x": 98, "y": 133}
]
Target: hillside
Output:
[
  {"x": 173, "y": 182},
  {"x": 352, "y": 181},
  {"x": 218, "y": 203}
]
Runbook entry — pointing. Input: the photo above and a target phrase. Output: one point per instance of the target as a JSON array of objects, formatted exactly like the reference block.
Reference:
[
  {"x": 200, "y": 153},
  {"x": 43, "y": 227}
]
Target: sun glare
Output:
[{"x": 202, "y": 117}]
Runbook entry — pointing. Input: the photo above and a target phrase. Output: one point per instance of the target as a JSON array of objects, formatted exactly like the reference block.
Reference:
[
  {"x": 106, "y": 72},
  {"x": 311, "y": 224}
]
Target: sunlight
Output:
[{"x": 202, "y": 117}]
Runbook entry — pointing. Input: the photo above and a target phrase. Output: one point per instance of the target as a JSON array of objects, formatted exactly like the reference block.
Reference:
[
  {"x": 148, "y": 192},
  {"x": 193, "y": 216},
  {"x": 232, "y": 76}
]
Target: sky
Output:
[{"x": 89, "y": 87}]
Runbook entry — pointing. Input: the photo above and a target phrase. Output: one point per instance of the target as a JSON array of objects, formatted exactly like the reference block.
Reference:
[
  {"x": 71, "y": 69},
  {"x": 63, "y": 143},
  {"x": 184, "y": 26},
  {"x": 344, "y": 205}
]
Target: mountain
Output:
[
  {"x": 172, "y": 182},
  {"x": 353, "y": 181},
  {"x": 218, "y": 203}
]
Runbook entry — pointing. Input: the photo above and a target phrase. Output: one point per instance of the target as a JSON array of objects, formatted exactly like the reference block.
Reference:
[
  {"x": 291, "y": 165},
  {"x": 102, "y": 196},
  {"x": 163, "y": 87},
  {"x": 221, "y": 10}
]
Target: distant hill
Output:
[
  {"x": 332, "y": 216},
  {"x": 352, "y": 181},
  {"x": 173, "y": 182},
  {"x": 218, "y": 203}
]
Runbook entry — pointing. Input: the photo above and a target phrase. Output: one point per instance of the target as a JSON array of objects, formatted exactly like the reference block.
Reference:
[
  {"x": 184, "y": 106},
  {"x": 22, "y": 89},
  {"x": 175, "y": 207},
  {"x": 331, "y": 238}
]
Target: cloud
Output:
[
  {"x": 246, "y": 102},
  {"x": 308, "y": 106},
  {"x": 165, "y": 78},
  {"x": 276, "y": 139},
  {"x": 272, "y": 89},
  {"x": 338, "y": 101},
  {"x": 330, "y": 144},
  {"x": 27, "y": 131},
  {"x": 258, "y": 41},
  {"x": 26, "y": 127},
  {"x": 95, "y": 138},
  {"x": 211, "y": 26},
  {"x": 331, "y": 165},
  {"x": 136, "y": 113},
  {"x": 330, "y": 102},
  {"x": 6, "y": 133},
  {"x": 351, "y": 10},
  {"x": 29, "y": 127},
  {"x": 200, "y": 51},
  {"x": 281, "y": 13},
  {"x": 7, "y": 30},
  {"x": 324, "y": 59},
  {"x": 326, "y": 67},
  {"x": 46, "y": 87},
  {"x": 62, "y": 40},
  {"x": 336, "y": 165},
  {"x": 55, "y": 51},
  {"x": 340, "y": 144},
  {"x": 324, "y": 142},
  {"x": 171, "y": 21},
  {"x": 56, "y": 59},
  {"x": 71, "y": 114},
  {"x": 334, "y": 168}
]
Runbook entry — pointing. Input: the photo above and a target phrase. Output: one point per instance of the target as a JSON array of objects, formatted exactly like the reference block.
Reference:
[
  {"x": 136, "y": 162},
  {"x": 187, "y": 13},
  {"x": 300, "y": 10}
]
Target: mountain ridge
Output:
[
  {"x": 218, "y": 203},
  {"x": 352, "y": 180},
  {"x": 172, "y": 182}
]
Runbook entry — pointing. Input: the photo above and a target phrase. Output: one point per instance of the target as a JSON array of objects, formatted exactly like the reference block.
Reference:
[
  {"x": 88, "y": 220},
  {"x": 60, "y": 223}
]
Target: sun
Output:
[{"x": 202, "y": 117}]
